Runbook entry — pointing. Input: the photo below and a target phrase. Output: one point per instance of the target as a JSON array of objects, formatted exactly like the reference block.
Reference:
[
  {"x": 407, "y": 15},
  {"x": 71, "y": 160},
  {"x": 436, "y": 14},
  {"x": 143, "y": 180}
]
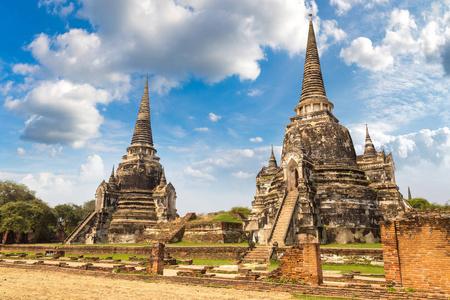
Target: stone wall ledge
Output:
[{"x": 207, "y": 252}]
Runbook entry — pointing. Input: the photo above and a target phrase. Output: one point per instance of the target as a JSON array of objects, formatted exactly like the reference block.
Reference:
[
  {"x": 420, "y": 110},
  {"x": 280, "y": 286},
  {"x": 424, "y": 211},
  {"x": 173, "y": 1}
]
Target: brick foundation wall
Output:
[
  {"x": 416, "y": 252},
  {"x": 302, "y": 263},
  {"x": 213, "y": 232},
  {"x": 205, "y": 252}
]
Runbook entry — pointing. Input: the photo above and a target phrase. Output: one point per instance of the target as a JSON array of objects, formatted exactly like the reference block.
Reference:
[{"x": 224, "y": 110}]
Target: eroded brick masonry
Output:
[
  {"x": 416, "y": 252},
  {"x": 301, "y": 263}
]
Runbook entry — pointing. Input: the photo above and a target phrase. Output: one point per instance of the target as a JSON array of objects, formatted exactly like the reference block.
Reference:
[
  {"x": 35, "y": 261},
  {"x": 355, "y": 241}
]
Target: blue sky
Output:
[{"x": 225, "y": 77}]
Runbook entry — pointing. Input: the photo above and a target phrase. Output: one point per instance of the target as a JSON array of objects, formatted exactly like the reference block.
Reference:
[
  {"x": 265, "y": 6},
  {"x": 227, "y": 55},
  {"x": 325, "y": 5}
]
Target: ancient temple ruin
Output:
[
  {"x": 136, "y": 197},
  {"x": 322, "y": 190}
]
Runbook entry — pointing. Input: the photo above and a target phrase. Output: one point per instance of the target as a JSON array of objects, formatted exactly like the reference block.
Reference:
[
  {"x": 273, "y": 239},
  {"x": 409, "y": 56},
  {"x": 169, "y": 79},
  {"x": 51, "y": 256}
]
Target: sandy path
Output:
[{"x": 33, "y": 284}]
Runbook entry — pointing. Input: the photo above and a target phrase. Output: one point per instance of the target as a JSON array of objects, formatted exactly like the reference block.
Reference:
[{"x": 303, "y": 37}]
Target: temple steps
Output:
[
  {"x": 258, "y": 254},
  {"x": 283, "y": 221},
  {"x": 80, "y": 227}
]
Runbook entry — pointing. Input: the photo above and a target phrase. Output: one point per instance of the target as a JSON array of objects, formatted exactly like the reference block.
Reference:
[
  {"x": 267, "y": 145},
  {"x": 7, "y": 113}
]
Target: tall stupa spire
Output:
[
  {"x": 111, "y": 177},
  {"x": 313, "y": 99},
  {"x": 272, "y": 162},
  {"x": 142, "y": 135},
  {"x": 312, "y": 86},
  {"x": 369, "y": 149}
]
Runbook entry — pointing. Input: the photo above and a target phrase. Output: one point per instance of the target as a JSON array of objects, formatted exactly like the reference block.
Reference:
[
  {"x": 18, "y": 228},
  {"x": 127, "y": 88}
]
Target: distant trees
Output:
[
  {"x": 245, "y": 211},
  {"x": 21, "y": 212},
  {"x": 423, "y": 204},
  {"x": 15, "y": 192},
  {"x": 69, "y": 215}
]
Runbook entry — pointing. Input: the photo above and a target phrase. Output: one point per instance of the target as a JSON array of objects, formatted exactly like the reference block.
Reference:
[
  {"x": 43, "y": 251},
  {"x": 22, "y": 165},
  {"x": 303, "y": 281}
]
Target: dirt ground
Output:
[{"x": 33, "y": 284}]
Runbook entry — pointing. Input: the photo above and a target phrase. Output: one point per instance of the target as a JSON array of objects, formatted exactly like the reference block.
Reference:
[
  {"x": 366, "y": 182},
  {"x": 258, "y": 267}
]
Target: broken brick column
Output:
[
  {"x": 301, "y": 263},
  {"x": 390, "y": 253},
  {"x": 312, "y": 264},
  {"x": 156, "y": 263}
]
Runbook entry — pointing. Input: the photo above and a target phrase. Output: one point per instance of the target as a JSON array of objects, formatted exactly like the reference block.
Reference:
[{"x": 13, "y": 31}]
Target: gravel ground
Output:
[{"x": 34, "y": 284}]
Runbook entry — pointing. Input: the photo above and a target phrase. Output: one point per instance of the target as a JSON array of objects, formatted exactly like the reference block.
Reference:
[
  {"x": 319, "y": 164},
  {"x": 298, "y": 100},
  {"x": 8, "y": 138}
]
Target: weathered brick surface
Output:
[
  {"x": 204, "y": 252},
  {"x": 416, "y": 252},
  {"x": 301, "y": 263}
]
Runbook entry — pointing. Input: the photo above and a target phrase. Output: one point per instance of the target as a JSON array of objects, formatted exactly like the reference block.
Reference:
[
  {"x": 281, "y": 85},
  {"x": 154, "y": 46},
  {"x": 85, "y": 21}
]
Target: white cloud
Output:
[
  {"x": 404, "y": 40},
  {"x": 57, "y": 7},
  {"x": 61, "y": 112},
  {"x": 179, "y": 149},
  {"x": 201, "y": 129},
  {"x": 343, "y": 6},
  {"x": 162, "y": 85},
  {"x": 49, "y": 186},
  {"x": 255, "y": 92},
  {"x": 80, "y": 57},
  {"x": 6, "y": 87},
  {"x": 242, "y": 175},
  {"x": 21, "y": 151},
  {"x": 198, "y": 174},
  {"x": 178, "y": 132},
  {"x": 173, "y": 40},
  {"x": 399, "y": 37},
  {"x": 256, "y": 139},
  {"x": 213, "y": 117},
  {"x": 93, "y": 170},
  {"x": 226, "y": 158},
  {"x": 233, "y": 133},
  {"x": 24, "y": 69},
  {"x": 432, "y": 38},
  {"x": 366, "y": 56},
  {"x": 330, "y": 29}
]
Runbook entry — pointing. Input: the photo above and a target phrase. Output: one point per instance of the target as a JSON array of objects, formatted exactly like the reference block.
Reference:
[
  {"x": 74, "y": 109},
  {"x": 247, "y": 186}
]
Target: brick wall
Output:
[
  {"x": 302, "y": 263},
  {"x": 416, "y": 252},
  {"x": 213, "y": 232},
  {"x": 206, "y": 252}
]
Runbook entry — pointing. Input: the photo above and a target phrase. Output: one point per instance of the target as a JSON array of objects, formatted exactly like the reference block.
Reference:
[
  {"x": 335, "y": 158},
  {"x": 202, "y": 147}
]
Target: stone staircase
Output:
[
  {"x": 260, "y": 254},
  {"x": 170, "y": 232},
  {"x": 176, "y": 232},
  {"x": 80, "y": 227},
  {"x": 283, "y": 219}
]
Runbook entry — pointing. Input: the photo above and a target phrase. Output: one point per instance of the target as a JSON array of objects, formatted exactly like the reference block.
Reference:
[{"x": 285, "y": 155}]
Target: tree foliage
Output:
[
  {"x": 245, "y": 211},
  {"x": 15, "y": 192},
  {"x": 35, "y": 216},
  {"x": 21, "y": 211},
  {"x": 70, "y": 214},
  {"x": 423, "y": 204}
]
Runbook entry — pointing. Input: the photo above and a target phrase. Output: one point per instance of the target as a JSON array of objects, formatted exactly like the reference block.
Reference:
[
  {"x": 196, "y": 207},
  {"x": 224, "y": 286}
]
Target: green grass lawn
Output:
[
  {"x": 353, "y": 267},
  {"x": 378, "y": 245}
]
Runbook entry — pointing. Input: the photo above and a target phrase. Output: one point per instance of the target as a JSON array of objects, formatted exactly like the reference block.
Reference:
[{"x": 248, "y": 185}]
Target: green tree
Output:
[
  {"x": 245, "y": 211},
  {"x": 419, "y": 203},
  {"x": 88, "y": 207},
  {"x": 423, "y": 204},
  {"x": 35, "y": 216},
  {"x": 70, "y": 215},
  {"x": 14, "y": 192}
]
